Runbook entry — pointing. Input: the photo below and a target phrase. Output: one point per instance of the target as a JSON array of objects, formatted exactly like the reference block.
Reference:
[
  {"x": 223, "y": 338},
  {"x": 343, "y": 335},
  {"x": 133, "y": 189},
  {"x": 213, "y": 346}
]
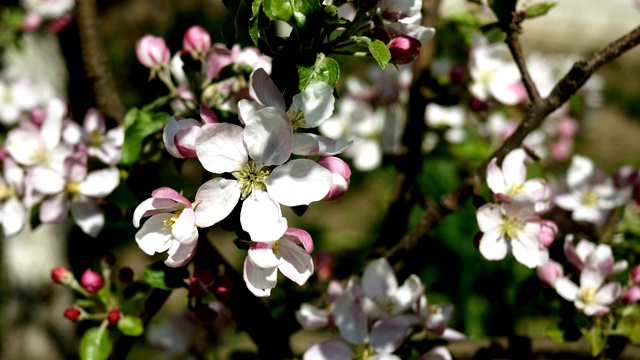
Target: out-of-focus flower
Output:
[
  {"x": 550, "y": 272},
  {"x": 591, "y": 296},
  {"x": 196, "y": 41},
  {"x": 587, "y": 254}
]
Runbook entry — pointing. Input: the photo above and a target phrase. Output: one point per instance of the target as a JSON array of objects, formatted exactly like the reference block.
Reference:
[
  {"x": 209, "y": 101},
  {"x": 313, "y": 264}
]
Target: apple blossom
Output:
[
  {"x": 340, "y": 174},
  {"x": 13, "y": 212},
  {"x": 196, "y": 41},
  {"x": 380, "y": 285},
  {"x": 631, "y": 294},
  {"x": 587, "y": 254},
  {"x": 509, "y": 182},
  {"x": 550, "y": 272},
  {"x": 591, "y": 296},
  {"x": 93, "y": 135},
  {"x": 265, "y": 259},
  {"x": 404, "y": 49},
  {"x": 588, "y": 199},
  {"x": 153, "y": 52},
  {"x": 513, "y": 227},
  {"x": 171, "y": 226}
]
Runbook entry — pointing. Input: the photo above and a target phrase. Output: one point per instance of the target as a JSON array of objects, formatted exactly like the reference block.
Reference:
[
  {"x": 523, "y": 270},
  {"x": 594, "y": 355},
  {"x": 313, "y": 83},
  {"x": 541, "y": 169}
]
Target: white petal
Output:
[
  {"x": 493, "y": 246},
  {"x": 13, "y": 216},
  {"x": 567, "y": 289},
  {"x": 579, "y": 172},
  {"x": 299, "y": 182},
  {"x": 87, "y": 215},
  {"x": 152, "y": 206},
  {"x": 46, "y": 180},
  {"x": 608, "y": 293},
  {"x": 329, "y": 350},
  {"x": 311, "y": 318},
  {"x": 388, "y": 334},
  {"x": 180, "y": 254},
  {"x": 100, "y": 183},
  {"x": 307, "y": 144},
  {"x": 350, "y": 320},
  {"x": 296, "y": 264},
  {"x": 184, "y": 229},
  {"x": 407, "y": 294},
  {"x": 379, "y": 279},
  {"x": 262, "y": 88},
  {"x": 489, "y": 217},
  {"x": 54, "y": 208},
  {"x": 262, "y": 218},
  {"x": 259, "y": 281},
  {"x": 269, "y": 136},
  {"x": 154, "y": 237},
  {"x": 262, "y": 255},
  {"x": 316, "y": 102},
  {"x": 513, "y": 168},
  {"x": 529, "y": 256},
  {"x": 495, "y": 180},
  {"x": 220, "y": 148},
  {"x": 217, "y": 198},
  {"x": 172, "y": 126}
]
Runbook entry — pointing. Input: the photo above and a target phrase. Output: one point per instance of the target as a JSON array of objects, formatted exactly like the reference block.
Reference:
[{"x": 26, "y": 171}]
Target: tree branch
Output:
[
  {"x": 95, "y": 61},
  {"x": 408, "y": 248},
  {"x": 513, "y": 41}
]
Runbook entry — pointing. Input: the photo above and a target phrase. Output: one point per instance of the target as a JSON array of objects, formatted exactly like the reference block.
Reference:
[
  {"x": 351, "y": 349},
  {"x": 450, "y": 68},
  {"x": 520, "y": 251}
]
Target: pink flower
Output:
[
  {"x": 404, "y": 49},
  {"x": 171, "y": 226},
  {"x": 589, "y": 255},
  {"x": 91, "y": 281},
  {"x": 153, "y": 52},
  {"x": 631, "y": 295},
  {"x": 196, "y": 41},
  {"x": 340, "y": 173}
]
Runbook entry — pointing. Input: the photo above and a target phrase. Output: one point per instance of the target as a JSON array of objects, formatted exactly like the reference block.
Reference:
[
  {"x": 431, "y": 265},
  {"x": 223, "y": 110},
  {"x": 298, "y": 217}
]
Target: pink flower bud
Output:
[
  {"x": 61, "y": 275},
  {"x": 404, "y": 49},
  {"x": 548, "y": 232},
  {"x": 113, "y": 316},
  {"x": 561, "y": 149},
  {"x": 152, "y": 52},
  {"x": 458, "y": 74},
  {"x": 222, "y": 288},
  {"x": 196, "y": 41},
  {"x": 73, "y": 314},
  {"x": 31, "y": 22},
  {"x": 567, "y": 128},
  {"x": 635, "y": 274},
  {"x": 478, "y": 105},
  {"x": 201, "y": 283},
  {"x": 631, "y": 295},
  {"x": 341, "y": 175},
  {"x": 91, "y": 281},
  {"x": 58, "y": 24},
  {"x": 323, "y": 265},
  {"x": 550, "y": 272}
]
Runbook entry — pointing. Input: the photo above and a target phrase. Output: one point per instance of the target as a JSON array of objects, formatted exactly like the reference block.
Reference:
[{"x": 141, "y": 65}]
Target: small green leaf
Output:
[
  {"x": 539, "y": 9},
  {"x": 325, "y": 69},
  {"x": 95, "y": 344},
  {"x": 138, "y": 125},
  {"x": 130, "y": 325},
  {"x": 294, "y": 12},
  {"x": 554, "y": 332},
  {"x": 380, "y": 52},
  {"x": 163, "y": 277},
  {"x": 597, "y": 339},
  {"x": 629, "y": 324}
]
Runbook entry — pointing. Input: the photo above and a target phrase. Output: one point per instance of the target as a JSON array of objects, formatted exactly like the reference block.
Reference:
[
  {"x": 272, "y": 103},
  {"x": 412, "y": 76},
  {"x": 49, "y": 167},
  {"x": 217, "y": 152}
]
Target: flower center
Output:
[
  {"x": 511, "y": 226},
  {"x": 251, "y": 177},
  {"x": 515, "y": 189},
  {"x": 5, "y": 192},
  {"x": 40, "y": 154},
  {"x": 363, "y": 352},
  {"x": 590, "y": 198},
  {"x": 95, "y": 139},
  {"x": 587, "y": 294},
  {"x": 170, "y": 221},
  {"x": 297, "y": 119},
  {"x": 72, "y": 188}
]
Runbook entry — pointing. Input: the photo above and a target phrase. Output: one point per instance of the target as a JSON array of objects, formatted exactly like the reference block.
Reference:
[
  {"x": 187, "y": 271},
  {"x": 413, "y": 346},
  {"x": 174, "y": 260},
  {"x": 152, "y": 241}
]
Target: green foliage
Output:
[
  {"x": 11, "y": 20},
  {"x": 539, "y": 9},
  {"x": 228, "y": 26},
  {"x": 130, "y": 325},
  {"x": 139, "y": 124},
  {"x": 294, "y": 12},
  {"x": 377, "y": 48},
  {"x": 163, "y": 277},
  {"x": 629, "y": 324},
  {"x": 95, "y": 344},
  {"x": 324, "y": 69},
  {"x": 597, "y": 338}
]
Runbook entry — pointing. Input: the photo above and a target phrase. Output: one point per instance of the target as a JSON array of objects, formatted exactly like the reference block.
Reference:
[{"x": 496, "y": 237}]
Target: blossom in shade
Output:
[
  {"x": 587, "y": 254},
  {"x": 13, "y": 212},
  {"x": 265, "y": 259},
  {"x": 591, "y": 296},
  {"x": 550, "y": 272},
  {"x": 171, "y": 226},
  {"x": 511, "y": 227},
  {"x": 94, "y": 138}
]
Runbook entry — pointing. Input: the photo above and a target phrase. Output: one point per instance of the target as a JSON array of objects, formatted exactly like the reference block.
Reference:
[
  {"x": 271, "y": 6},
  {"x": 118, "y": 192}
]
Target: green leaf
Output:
[
  {"x": 138, "y": 125},
  {"x": 563, "y": 330},
  {"x": 228, "y": 25},
  {"x": 130, "y": 325},
  {"x": 539, "y": 9},
  {"x": 380, "y": 52},
  {"x": 596, "y": 338},
  {"x": 95, "y": 344},
  {"x": 163, "y": 277},
  {"x": 629, "y": 324},
  {"x": 294, "y": 12},
  {"x": 325, "y": 69}
]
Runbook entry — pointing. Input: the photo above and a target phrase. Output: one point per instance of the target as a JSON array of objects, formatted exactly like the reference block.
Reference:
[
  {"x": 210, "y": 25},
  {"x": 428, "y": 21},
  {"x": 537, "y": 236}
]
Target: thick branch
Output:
[
  {"x": 405, "y": 250},
  {"x": 95, "y": 61}
]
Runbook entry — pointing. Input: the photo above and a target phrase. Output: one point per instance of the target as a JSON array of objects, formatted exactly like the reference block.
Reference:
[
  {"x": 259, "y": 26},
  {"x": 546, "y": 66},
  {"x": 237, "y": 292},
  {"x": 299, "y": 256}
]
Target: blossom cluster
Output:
[
  {"x": 372, "y": 316},
  {"x": 259, "y": 165}
]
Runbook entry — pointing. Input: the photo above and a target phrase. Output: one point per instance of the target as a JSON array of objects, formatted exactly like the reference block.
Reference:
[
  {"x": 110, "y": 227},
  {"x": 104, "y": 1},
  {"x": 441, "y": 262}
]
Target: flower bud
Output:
[
  {"x": 113, "y": 316},
  {"x": 73, "y": 314},
  {"x": 548, "y": 231},
  {"x": 108, "y": 259},
  {"x": 152, "y": 52},
  {"x": 196, "y": 41},
  {"x": 550, "y": 272},
  {"x": 61, "y": 275},
  {"x": 91, "y": 281},
  {"x": 478, "y": 105},
  {"x": 635, "y": 274},
  {"x": 323, "y": 265},
  {"x": 404, "y": 49},
  {"x": 340, "y": 174},
  {"x": 631, "y": 295},
  {"x": 201, "y": 283},
  {"x": 222, "y": 288}
]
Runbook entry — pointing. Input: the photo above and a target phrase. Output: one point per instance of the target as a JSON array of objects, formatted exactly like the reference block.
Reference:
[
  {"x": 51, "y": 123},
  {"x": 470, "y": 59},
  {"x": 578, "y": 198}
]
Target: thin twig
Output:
[
  {"x": 513, "y": 41},
  {"x": 95, "y": 61}
]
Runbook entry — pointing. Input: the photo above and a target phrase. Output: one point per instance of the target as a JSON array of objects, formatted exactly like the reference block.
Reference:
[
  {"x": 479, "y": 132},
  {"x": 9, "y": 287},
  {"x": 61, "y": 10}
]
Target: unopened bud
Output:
[
  {"x": 196, "y": 41},
  {"x": 108, "y": 259},
  {"x": 113, "y": 316},
  {"x": 478, "y": 105},
  {"x": 201, "y": 283},
  {"x": 631, "y": 295},
  {"x": 548, "y": 232},
  {"x": 73, "y": 314},
  {"x": 61, "y": 275},
  {"x": 404, "y": 49},
  {"x": 340, "y": 174},
  {"x": 222, "y": 288},
  {"x": 550, "y": 272},
  {"x": 458, "y": 74},
  {"x": 152, "y": 52},
  {"x": 91, "y": 281},
  {"x": 635, "y": 274}
]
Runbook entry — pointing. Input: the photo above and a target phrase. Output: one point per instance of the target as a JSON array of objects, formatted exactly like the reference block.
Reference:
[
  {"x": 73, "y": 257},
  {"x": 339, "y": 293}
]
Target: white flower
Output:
[
  {"x": 511, "y": 227},
  {"x": 587, "y": 254},
  {"x": 380, "y": 285},
  {"x": 591, "y": 297}
]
